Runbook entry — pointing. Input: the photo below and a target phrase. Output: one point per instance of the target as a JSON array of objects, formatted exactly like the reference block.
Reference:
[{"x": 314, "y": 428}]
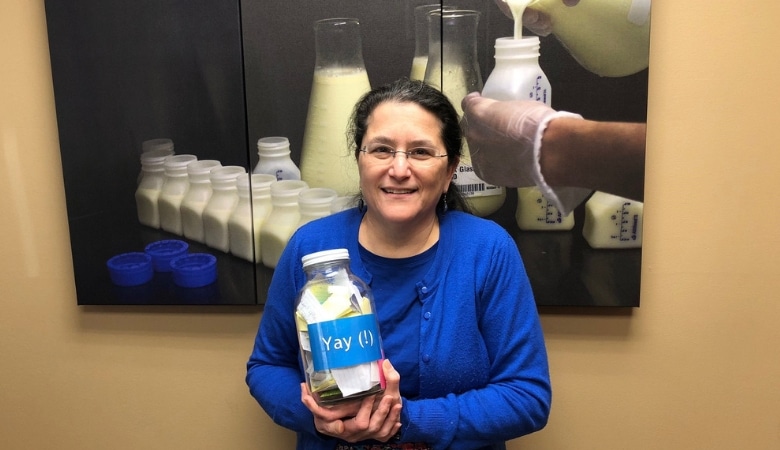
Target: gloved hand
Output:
[{"x": 505, "y": 142}]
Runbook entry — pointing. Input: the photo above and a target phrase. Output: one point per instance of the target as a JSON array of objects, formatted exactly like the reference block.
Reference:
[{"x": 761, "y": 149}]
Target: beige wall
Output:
[{"x": 696, "y": 367}]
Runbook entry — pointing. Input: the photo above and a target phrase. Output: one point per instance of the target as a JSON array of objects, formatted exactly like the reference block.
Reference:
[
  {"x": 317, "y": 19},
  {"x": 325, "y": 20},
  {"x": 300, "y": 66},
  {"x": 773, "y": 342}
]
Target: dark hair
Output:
[{"x": 430, "y": 99}]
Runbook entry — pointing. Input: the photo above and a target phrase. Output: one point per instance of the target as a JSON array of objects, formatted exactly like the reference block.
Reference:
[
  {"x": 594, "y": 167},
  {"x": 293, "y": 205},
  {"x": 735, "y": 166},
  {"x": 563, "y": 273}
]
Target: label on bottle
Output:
[
  {"x": 470, "y": 185},
  {"x": 344, "y": 342}
]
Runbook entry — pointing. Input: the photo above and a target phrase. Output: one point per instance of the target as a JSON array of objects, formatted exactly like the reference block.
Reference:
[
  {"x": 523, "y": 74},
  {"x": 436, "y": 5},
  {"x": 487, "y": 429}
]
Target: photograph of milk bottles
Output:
[{"x": 196, "y": 139}]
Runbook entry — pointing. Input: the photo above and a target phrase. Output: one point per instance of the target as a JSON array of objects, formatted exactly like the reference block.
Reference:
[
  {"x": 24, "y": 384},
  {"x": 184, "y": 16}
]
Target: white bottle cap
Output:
[{"x": 335, "y": 254}]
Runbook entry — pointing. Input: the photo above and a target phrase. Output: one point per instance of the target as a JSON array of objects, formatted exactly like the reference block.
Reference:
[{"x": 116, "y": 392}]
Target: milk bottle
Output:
[
  {"x": 340, "y": 79},
  {"x": 196, "y": 198},
  {"x": 315, "y": 203},
  {"x": 274, "y": 158},
  {"x": 452, "y": 67},
  {"x": 164, "y": 144},
  {"x": 283, "y": 220},
  {"x": 517, "y": 76},
  {"x": 535, "y": 213},
  {"x": 218, "y": 210},
  {"x": 254, "y": 206},
  {"x": 342, "y": 203},
  {"x": 612, "y": 221},
  {"x": 173, "y": 191},
  {"x": 148, "y": 191}
]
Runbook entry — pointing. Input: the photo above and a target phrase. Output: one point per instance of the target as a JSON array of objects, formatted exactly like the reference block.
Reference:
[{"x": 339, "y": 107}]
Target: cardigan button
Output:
[
  {"x": 424, "y": 289},
  {"x": 427, "y": 315},
  {"x": 426, "y": 358}
]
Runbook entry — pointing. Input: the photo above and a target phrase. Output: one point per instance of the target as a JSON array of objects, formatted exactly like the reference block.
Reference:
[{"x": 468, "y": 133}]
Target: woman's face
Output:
[{"x": 400, "y": 190}]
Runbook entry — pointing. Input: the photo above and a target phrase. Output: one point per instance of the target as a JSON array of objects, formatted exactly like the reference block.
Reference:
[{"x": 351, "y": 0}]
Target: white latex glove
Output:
[{"x": 505, "y": 142}]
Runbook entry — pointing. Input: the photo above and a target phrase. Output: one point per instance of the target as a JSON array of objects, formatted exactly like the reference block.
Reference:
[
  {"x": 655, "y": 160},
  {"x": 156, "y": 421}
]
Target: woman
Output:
[{"x": 466, "y": 365}]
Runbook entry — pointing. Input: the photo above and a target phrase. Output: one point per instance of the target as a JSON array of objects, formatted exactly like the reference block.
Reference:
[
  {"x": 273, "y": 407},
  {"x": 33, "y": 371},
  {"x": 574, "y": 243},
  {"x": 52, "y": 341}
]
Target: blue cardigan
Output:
[{"x": 483, "y": 373}]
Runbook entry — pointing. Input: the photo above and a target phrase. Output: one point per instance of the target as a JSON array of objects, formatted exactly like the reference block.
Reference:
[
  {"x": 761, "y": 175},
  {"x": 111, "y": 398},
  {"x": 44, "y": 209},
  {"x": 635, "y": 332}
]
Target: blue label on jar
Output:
[{"x": 344, "y": 342}]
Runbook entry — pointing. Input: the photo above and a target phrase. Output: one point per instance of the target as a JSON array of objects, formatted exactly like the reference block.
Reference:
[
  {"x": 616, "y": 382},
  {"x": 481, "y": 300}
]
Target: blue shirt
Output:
[
  {"x": 394, "y": 285},
  {"x": 481, "y": 367}
]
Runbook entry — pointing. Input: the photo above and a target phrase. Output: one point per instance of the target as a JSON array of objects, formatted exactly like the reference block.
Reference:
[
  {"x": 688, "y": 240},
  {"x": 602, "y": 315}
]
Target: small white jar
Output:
[
  {"x": 149, "y": 187},
  {"x": 315, "y": 203},
  {"x": 283, "y": 220},
  {"x": 254, "y": 206},
  {"x": 196, "y": 199},
  {"x": 173, "y": 191},
  {"x": 218, "y": 210},
  {"x": 274, "y": 159}
]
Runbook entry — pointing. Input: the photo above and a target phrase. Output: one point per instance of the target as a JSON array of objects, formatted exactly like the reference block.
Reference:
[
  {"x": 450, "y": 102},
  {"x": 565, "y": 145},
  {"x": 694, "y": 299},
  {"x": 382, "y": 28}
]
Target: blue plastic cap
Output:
[
  {"x": 162, "y": 252},
  {"x": 194, "y": 270},
  {"x": 130, "y": 269}
]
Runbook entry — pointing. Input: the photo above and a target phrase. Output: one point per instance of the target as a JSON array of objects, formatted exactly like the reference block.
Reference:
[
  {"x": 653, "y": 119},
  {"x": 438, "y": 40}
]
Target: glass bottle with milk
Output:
[
  {"x": 173, "y": 191},
  {"x": 452, "y": 67},
  {"x": 283, "y": 220},
  {"x": 610, "y": 38},
  {"x": 420, "y": 60},
  {"x": 223, "y": 201},
  {"x": 254, "y": 206},
  {"x": 274, "y": 158},
  {"x": 517, "y": 76},
  {"x": 149, "y": 187},
  {"x": 340, "y": 79},
  {"x": 196, "y": 198}
]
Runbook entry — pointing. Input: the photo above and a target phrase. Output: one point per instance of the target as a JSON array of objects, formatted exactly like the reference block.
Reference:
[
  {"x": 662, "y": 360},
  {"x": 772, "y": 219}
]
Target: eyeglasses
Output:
[{"x": 384, "y": 154}]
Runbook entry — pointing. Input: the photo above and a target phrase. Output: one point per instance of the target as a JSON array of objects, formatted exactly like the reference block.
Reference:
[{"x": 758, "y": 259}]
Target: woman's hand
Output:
[{"x": 373, "y": 417}]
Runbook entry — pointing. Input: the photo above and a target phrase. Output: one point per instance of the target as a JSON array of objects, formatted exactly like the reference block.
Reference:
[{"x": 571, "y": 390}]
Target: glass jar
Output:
[
  {"x": 283, "y": 220},
  {"x": 274, "y": 158},
  {"x": 420, "y": 60},
  {"x": 254, "y": 206},
  {"x": 453, "y": 68},
  {"x": 338, "y": 332},
  {"x": 340, "y": 79}
]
